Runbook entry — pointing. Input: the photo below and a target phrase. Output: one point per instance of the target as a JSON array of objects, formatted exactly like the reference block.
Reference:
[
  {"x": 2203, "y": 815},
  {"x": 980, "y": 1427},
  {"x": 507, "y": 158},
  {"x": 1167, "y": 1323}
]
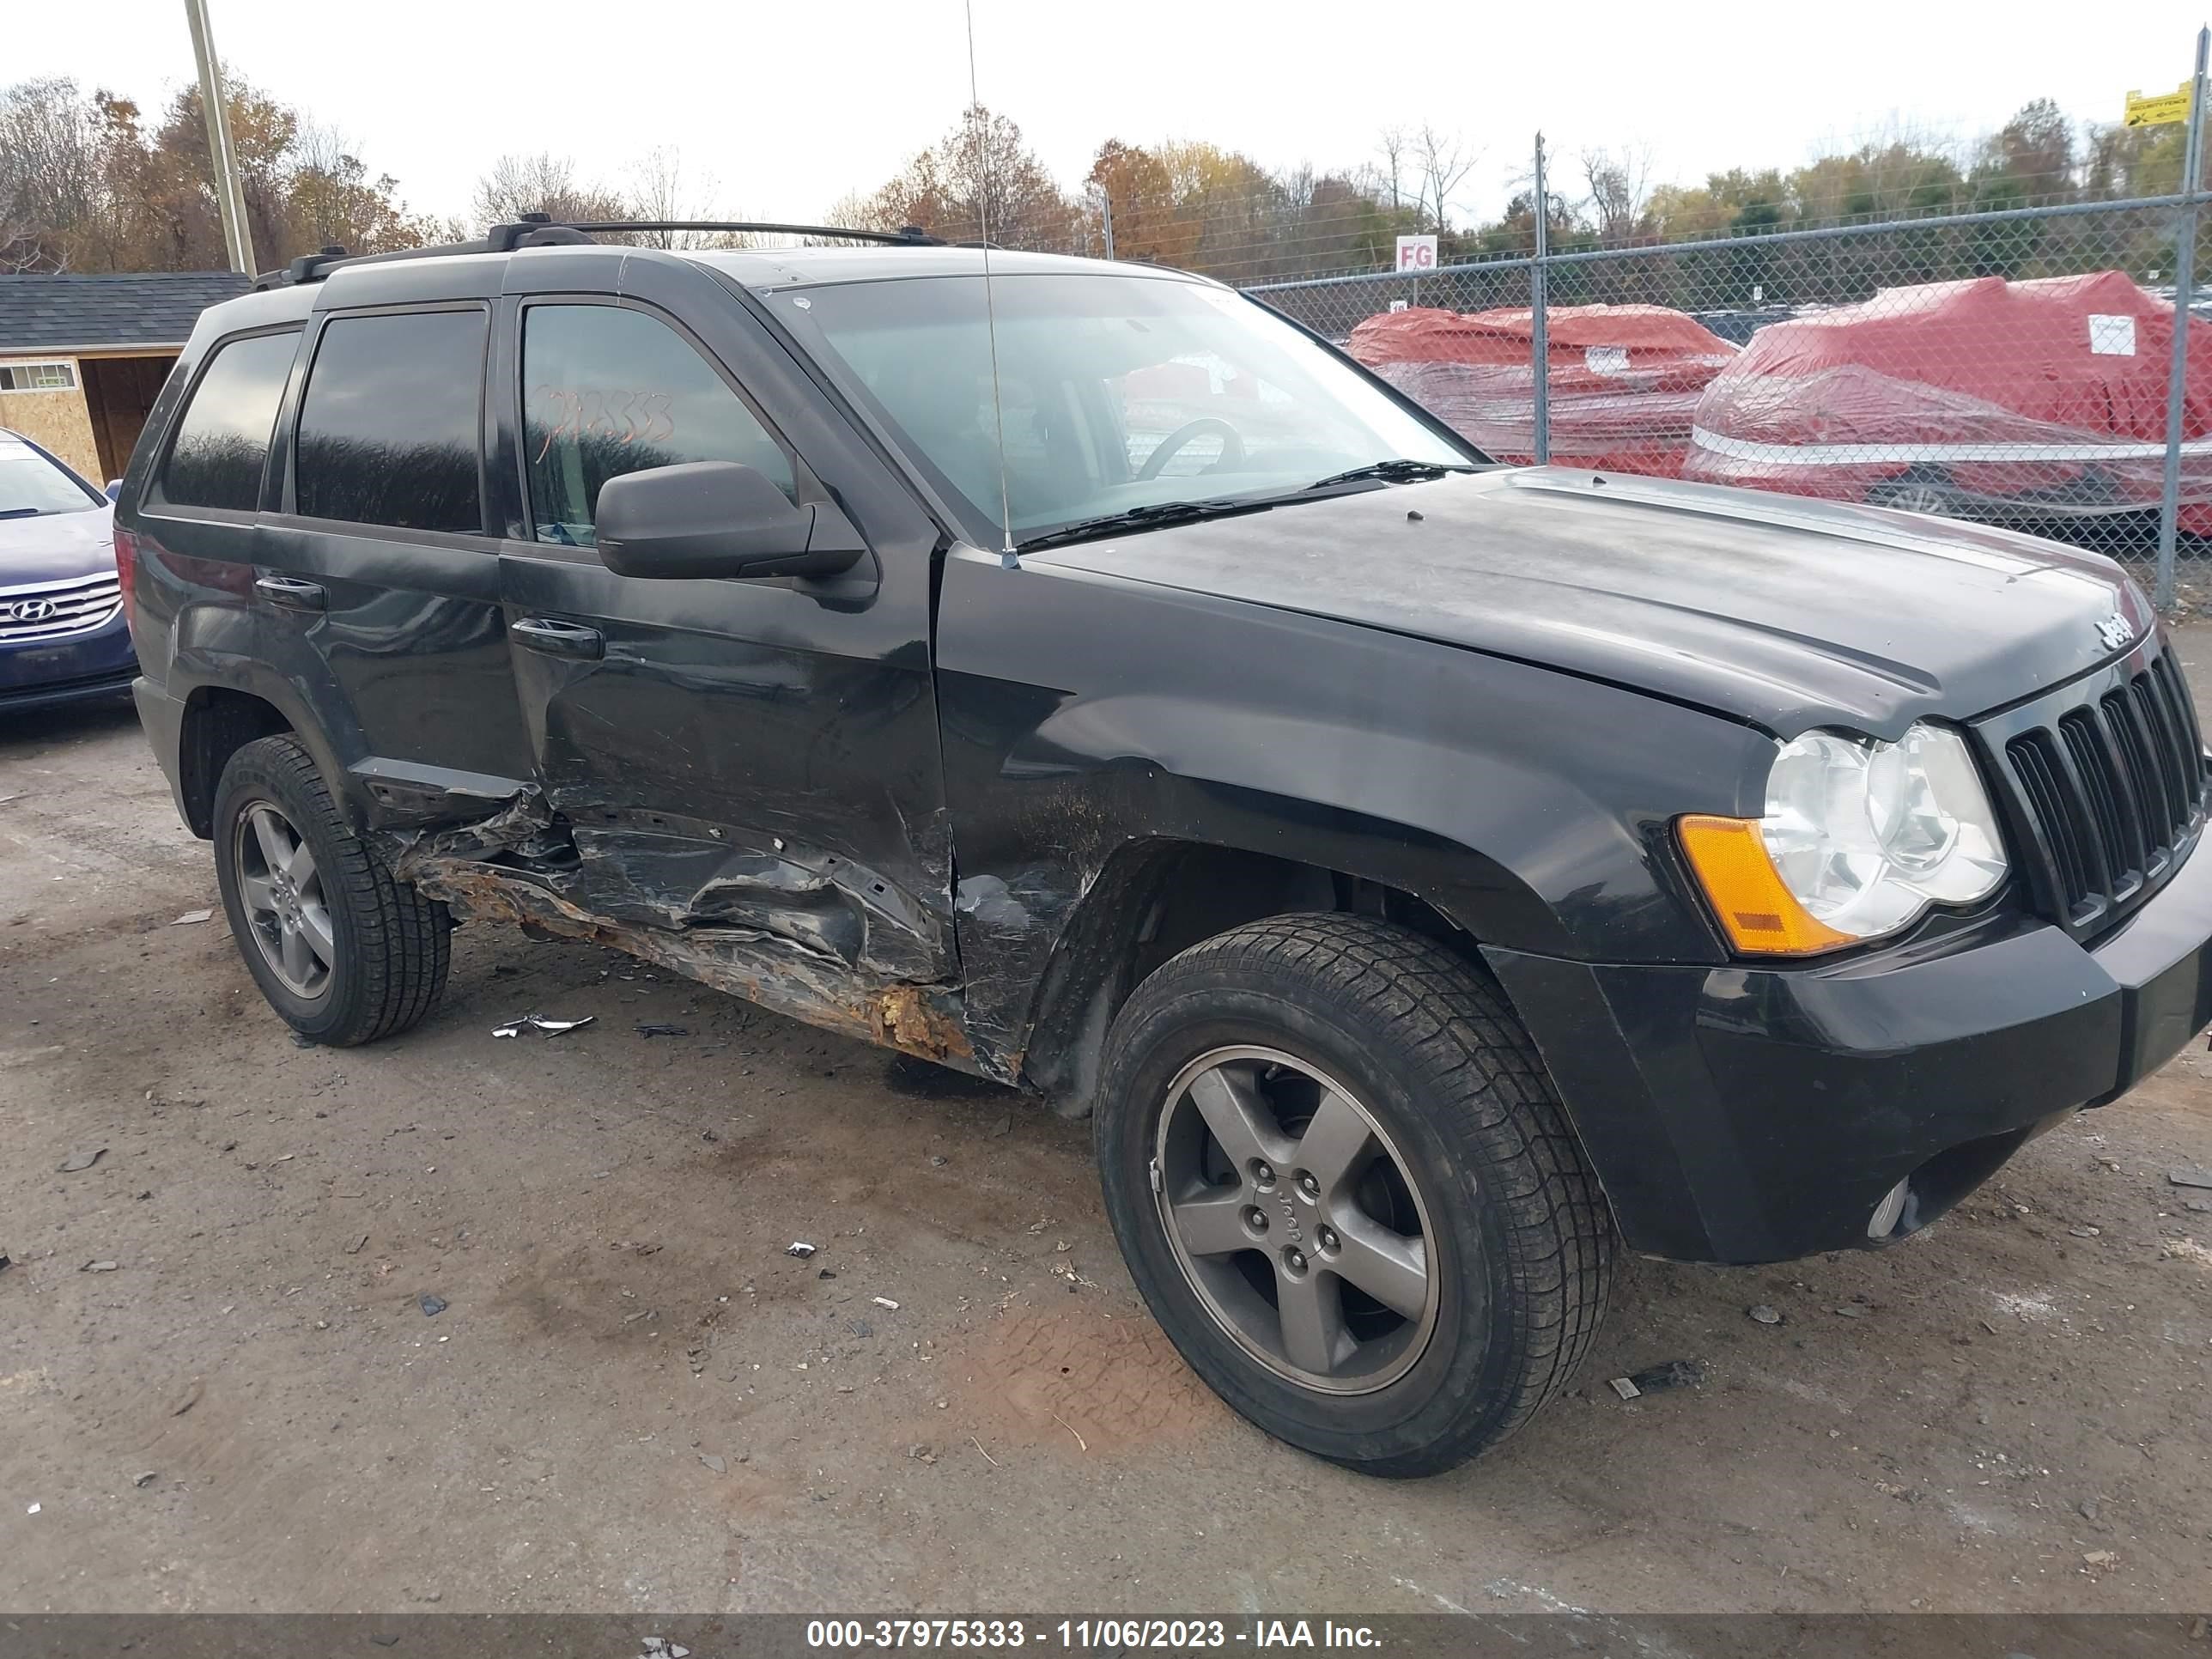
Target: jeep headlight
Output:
[{"x": 1858, "y": 839}]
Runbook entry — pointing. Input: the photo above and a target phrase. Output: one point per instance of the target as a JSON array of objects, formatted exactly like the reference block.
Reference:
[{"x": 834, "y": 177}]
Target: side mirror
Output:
[
  {"x": 115, "y": 490},
  {"x": 704, "y": 519}
]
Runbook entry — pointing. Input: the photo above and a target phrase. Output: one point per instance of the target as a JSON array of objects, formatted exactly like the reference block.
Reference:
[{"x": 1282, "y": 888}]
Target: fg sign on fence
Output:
[{"x": 1417, "y": 254}]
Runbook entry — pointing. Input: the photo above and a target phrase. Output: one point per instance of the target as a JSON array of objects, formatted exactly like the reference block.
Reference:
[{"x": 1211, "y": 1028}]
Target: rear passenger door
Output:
[
  {"x": 382, "y": 559},
  {"x": 757, "y": 755}
]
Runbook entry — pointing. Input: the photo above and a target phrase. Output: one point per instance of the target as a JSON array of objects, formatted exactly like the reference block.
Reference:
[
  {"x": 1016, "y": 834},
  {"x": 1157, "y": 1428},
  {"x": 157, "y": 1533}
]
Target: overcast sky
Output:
[{"x": 787, "y": 106}]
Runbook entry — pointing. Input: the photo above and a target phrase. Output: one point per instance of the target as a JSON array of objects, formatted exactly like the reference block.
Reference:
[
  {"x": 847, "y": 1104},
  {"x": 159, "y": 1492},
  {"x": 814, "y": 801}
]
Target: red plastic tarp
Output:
[
  {"x": 1624, "y": 379},
  {"x": 2045, "y": 396}
]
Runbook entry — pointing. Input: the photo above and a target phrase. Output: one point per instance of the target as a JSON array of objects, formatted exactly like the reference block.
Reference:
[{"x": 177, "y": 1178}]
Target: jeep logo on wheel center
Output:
[{"x": 1291, "y": 1217}]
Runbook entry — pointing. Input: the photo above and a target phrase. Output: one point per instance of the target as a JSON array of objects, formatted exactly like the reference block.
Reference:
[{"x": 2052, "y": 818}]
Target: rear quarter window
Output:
[
  {"x": 391, "y": 426},
  {"x": 222, "y": 444}
]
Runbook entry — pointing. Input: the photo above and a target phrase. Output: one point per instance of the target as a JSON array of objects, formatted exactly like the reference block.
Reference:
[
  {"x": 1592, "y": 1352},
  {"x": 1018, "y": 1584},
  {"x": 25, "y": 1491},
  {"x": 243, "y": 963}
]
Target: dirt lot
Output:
[{"x": 633, "y": 1400}]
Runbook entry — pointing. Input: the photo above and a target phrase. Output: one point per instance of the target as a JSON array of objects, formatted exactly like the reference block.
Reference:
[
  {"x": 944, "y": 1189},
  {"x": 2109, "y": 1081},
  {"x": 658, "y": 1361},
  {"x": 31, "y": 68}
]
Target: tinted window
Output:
[
  {"x": 607, "y": 392},
  {"x": 389, "y": 428},
  {"x": 222, "y": 441}
]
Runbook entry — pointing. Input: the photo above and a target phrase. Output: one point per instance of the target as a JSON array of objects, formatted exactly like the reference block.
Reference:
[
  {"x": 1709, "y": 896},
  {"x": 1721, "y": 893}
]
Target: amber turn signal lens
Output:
[{"x": 1758, "y": 914}]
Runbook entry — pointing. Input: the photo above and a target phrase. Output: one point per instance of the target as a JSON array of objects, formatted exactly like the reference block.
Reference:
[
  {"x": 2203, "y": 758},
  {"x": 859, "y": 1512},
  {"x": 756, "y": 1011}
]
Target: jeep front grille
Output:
[
  {"x": 2108, "y": 783},
  {"x": 54, "y": 611}
]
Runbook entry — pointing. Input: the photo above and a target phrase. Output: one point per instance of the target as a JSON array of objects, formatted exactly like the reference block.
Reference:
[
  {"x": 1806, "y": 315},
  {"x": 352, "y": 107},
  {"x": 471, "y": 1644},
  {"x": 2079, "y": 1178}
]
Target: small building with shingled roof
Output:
[{"x": 82, "y": 356}]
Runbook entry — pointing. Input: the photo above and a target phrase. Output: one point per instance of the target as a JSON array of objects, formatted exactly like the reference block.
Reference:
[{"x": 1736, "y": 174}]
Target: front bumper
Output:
[
  {"x": 97, "y": 664},
  {"x": 1746, "y": 1115}
]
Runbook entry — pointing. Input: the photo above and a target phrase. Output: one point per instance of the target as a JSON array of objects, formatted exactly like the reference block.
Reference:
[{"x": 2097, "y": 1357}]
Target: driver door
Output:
[{"x": 751, "y": 755}]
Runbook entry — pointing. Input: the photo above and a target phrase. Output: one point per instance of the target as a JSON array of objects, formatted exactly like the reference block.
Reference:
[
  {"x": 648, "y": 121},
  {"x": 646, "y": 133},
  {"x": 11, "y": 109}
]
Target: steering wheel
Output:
[{"x": 1232, "y": 446}]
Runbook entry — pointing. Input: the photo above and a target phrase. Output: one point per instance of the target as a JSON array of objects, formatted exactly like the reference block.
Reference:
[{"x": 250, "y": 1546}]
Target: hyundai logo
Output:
[{"x": 33, "y": 611}]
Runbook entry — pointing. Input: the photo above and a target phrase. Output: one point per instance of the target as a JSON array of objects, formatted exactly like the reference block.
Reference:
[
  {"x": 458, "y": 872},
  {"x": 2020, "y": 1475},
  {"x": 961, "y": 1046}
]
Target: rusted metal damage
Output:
[{"x": 520, "y": 865}]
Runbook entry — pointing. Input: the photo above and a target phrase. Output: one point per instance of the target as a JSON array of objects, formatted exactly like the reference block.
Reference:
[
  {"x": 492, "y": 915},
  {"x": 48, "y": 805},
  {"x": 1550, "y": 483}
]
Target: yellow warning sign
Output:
[{"x": 2158, "y": 109}]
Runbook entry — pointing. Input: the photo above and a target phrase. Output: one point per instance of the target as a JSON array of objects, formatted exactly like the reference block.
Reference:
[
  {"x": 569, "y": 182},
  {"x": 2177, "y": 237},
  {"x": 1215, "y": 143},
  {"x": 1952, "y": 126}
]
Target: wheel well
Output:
[
  {"x": 218, "y": 723},
  {"x": 1155, "y": 900}
]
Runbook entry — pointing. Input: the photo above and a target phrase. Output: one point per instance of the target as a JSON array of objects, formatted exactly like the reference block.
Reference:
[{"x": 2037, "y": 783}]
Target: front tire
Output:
[
  {"x": 1344, "y": 1187},
  {"x": 344, "y": 951},
  {"x": 1926, "y": 489}
]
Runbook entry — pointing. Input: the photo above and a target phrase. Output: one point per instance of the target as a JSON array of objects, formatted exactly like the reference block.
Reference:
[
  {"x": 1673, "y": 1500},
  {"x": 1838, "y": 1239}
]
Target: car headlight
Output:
[{"x": 1858, "y": 839}]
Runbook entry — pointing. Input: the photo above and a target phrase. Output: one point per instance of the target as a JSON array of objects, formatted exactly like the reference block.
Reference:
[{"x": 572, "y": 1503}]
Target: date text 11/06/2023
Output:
[{"x": 1086, "y": 1635}]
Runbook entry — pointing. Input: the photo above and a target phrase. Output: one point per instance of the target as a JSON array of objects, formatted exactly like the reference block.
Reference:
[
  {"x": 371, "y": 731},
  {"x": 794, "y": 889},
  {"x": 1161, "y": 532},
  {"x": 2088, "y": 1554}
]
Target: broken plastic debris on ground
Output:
[
  {"x": 1674, "y": 1374},
  {"x": 539, "y": 1023}
]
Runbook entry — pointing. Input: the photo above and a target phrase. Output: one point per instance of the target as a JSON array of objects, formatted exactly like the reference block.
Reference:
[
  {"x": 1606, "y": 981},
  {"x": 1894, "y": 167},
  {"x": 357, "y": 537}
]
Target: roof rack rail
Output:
[
  {"x": 904, "y": 236},
  {"x": 538, "y": 230}
]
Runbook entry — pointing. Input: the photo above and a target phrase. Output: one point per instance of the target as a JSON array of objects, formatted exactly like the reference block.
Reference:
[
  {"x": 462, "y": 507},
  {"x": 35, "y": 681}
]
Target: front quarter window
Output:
[
  {"x": 608, "y": 391},
  {"x": 1114, "y": 392}
]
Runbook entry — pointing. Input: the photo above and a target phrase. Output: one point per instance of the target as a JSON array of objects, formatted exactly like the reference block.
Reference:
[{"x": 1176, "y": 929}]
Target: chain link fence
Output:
[{"x": 2014, "y": 367}]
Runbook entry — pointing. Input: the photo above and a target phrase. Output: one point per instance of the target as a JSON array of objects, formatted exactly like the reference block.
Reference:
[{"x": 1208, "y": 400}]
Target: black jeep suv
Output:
[{"x": 1427, "y": 873}]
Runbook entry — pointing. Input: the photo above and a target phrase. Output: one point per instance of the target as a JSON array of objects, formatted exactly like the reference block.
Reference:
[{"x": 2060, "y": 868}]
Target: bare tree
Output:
[
  {"x": 23, "y": 252},
  {"x": 1620, "y": 190},
  {"x": 51, "y": 177},
  {"x": 1393, "y": 157},
  {"x": 1442, "y": 160},
  {"x": 659, "y": 190},
  {"x": 544, "y": 183},
  {"x": 333, "y": 200}
]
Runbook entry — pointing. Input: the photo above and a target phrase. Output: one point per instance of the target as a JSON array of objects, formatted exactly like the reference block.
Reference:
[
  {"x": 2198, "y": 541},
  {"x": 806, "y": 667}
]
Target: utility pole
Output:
[
  {"x": 1097, "y": 191},
  {"x": 229, "y": 194},
  {"x": 2185, "y": 287}
]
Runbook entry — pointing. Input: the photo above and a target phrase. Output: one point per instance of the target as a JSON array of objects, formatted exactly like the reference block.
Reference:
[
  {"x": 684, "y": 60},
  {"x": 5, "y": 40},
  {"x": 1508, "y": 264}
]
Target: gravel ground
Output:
[{"x": 632, "y": 1399}]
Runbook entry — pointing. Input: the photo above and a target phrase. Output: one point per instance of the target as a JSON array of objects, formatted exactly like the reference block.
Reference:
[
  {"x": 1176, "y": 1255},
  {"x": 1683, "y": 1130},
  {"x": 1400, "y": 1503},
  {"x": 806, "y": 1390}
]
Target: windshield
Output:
[
  {"x": 30, "y": 484},
  {"x": 1117, "y": 393}
]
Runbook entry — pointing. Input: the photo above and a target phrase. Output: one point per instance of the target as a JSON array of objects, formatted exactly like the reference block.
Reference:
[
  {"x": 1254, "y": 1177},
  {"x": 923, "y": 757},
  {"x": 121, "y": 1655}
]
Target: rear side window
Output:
[
  {"x": 222, "y": 441},
  {"x": 391, "y": 426},
  {"x": 607, "y": 390}
]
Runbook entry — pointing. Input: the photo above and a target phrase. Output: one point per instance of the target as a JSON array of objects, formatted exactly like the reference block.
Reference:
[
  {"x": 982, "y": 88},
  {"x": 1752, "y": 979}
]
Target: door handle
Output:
[
  {"x": 559, "y": 639},
  {"x": 291, "y": 593}
]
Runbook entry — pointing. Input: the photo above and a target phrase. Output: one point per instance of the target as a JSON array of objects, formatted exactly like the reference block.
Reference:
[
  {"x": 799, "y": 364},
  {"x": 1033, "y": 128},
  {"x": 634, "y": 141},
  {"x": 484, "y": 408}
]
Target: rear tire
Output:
[
  {"x": 1453, "y": 1238},
  {"x": 343, "y": 952}
]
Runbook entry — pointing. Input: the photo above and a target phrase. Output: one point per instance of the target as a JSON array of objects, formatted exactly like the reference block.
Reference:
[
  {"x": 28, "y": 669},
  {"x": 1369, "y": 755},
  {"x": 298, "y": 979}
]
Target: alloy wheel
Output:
[
  {"x": 1919, "y": 498},
  {"x": 281, "y": 892},
  {"x": 1295, "y": 1220}
]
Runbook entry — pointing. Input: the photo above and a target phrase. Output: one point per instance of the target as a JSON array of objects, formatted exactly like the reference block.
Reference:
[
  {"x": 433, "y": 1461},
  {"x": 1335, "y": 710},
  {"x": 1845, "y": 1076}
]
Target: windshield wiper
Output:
[
  {"x": 1398, "y": 472},
  {"x": 1160, "y": 514},
  {"x": 1154, "y": 516}
]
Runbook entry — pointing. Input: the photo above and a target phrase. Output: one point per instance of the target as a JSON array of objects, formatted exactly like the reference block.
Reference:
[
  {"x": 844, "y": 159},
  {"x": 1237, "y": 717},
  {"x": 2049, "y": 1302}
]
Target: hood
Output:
[
  {"x": 1783, "y": 613},
  {"x": 57, "y": 547}
]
